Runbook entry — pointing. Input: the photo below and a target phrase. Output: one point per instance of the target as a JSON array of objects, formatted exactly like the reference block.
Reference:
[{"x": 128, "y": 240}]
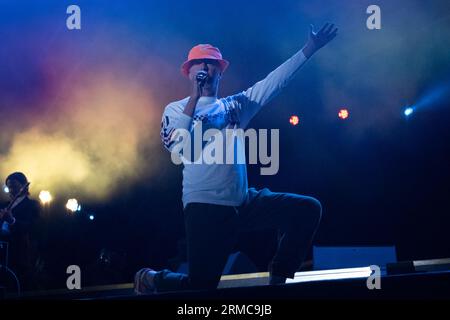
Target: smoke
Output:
[
  {"x": 438, "y": 96},
  {"x": 90, "y": 141}
]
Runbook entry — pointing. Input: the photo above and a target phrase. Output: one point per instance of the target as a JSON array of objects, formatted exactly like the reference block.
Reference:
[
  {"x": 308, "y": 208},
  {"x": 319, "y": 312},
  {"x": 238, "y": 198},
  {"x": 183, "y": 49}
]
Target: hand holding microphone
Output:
[
  {"x": 200, "y": 80},
  {"x": 201, "y": 77},
  {"x": 197, "y": 85}
]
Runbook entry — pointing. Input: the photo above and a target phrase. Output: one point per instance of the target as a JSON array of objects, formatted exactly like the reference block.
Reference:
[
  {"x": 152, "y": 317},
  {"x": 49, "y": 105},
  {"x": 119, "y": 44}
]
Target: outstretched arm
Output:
[{"x": 254, "y": 98}]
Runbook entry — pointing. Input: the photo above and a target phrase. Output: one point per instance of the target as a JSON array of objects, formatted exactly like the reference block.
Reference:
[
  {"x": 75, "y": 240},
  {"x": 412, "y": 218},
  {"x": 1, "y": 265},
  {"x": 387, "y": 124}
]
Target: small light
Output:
[
  {"x": 408, "y": 111},
  {"x": 5, "y": 189},
  {"x": 332, "y": 274},
  {"x": 45, "y": 196},
  {"x": 343, "y": 114},
  {"x": 91, "y": 217},
  {"x": 72, "y": 205},
  {"x": 294, "y": 120}
]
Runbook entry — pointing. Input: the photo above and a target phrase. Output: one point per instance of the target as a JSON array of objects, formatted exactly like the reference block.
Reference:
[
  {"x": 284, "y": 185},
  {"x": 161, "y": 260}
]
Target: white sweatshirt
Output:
[{"x": 223, "y": 184}]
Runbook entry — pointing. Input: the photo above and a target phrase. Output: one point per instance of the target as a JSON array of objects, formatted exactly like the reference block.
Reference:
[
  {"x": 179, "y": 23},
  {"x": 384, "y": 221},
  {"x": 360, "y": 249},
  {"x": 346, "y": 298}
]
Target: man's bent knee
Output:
[{"x": 310, "y": 208}]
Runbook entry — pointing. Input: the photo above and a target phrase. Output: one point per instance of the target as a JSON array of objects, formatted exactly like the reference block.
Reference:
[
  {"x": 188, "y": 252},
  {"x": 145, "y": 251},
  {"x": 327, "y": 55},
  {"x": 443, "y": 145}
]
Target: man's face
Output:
[
  {"x": 212, "y": 67},
  {"x": 14, "y": 187}
]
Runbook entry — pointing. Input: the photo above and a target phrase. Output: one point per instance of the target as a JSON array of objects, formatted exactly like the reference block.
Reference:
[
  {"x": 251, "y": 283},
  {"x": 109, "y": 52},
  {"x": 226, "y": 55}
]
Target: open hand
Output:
[{"x": 319, "y": 39}]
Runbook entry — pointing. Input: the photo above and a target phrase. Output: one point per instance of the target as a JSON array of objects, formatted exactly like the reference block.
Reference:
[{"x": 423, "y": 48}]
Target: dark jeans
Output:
[{"x": 212, "y": 231}]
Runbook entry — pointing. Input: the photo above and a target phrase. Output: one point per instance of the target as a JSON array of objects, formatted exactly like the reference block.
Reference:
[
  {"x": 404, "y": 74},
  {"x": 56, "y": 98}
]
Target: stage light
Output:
[
  {"x": 294, "y": 120},
  {"x": 72, "y": 205},
  {"x": 408, "y": 111},
  {"x": 91, "y": 217},
  {"x": 334, "y": 274},
  {"x": 5, "y": 189},
  {"x": 343, "y": 114},
  {"x": 45, "y": 196}
]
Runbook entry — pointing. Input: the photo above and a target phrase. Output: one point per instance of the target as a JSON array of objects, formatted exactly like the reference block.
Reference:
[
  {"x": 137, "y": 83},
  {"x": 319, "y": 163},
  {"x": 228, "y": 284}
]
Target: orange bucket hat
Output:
[{"x": 203, "y": 51}]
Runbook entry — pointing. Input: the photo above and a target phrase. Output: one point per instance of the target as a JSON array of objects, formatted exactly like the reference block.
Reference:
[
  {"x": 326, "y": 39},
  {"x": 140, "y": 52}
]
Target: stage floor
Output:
[{"x": 428, "y": 279}]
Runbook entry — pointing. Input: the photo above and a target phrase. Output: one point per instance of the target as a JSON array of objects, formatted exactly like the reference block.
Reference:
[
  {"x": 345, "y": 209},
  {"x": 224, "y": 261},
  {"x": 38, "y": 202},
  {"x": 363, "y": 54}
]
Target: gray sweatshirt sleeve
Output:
[
  {"x": 171, "y": 121},
  {"x": 250, "y": 101}
]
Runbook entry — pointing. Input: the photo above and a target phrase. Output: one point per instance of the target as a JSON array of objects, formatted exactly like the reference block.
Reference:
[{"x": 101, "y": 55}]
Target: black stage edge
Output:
[
  {"x": 430, "y": 285},
  {"x": 417, "y": 286}
]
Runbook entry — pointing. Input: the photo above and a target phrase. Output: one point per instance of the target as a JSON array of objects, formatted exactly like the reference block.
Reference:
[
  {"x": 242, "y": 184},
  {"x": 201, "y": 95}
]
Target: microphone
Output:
[{"x": 201, "y": 77}]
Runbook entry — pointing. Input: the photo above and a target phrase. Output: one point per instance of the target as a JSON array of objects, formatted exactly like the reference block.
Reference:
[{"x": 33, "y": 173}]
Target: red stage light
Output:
[
  {"x": 343, "y": 114},
  {"x": 294, "y": 120}
]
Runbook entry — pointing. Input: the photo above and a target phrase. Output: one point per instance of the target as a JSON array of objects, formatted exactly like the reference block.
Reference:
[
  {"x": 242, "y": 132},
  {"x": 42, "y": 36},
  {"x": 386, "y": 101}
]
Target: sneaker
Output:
[{"x": 144, "y": 281}]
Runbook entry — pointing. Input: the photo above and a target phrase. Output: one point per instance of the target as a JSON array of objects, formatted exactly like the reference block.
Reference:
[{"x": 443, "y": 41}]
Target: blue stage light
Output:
[{"x": 408, "y": 111}]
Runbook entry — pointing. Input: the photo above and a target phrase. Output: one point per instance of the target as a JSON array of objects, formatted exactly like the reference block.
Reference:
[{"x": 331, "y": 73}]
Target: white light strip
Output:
[
  {"x": 335, "y": 274},
  {"x": 421, "y": 263}
]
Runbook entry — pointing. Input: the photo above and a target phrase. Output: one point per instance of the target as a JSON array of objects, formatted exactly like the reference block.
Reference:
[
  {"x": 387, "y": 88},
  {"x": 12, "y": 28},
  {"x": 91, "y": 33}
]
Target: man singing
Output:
[{"x": 217, "y": 201}]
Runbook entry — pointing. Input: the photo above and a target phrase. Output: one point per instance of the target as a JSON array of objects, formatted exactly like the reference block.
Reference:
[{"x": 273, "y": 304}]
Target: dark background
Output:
[{"x": 382, "y": 178}]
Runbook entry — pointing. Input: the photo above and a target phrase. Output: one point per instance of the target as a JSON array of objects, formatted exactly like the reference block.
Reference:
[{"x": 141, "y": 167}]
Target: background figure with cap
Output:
[
  {"x": 18, "y": 227},
  {"x": 218, "y": 204}
]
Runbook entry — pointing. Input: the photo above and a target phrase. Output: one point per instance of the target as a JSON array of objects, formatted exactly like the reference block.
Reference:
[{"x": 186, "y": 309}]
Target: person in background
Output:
[{"x": 18, "y": 227}]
